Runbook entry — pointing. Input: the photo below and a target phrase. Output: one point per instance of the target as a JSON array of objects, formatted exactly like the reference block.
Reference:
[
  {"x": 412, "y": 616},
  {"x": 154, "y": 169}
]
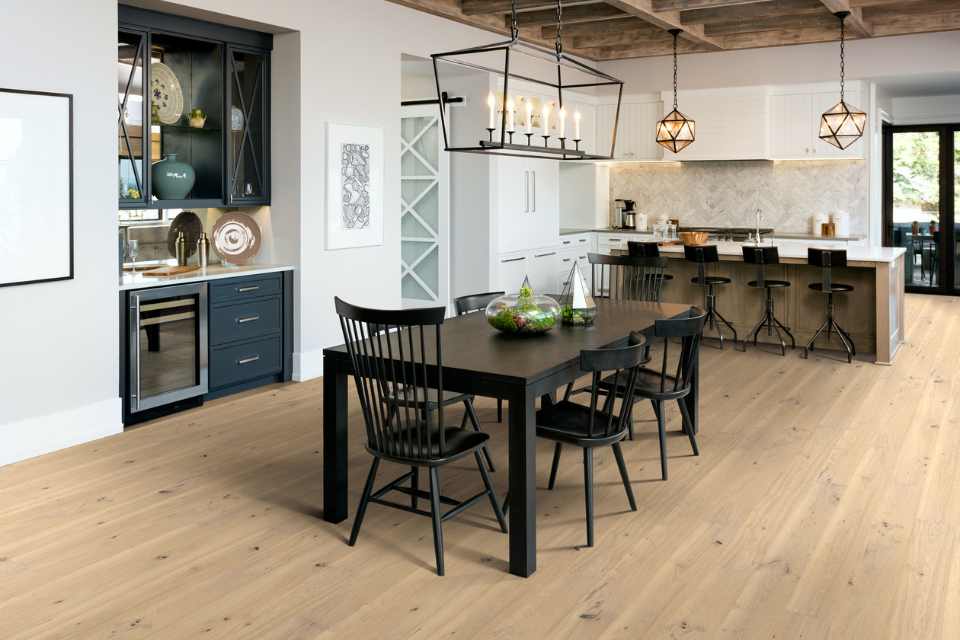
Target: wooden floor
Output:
[{"x": 826, "y": 503}]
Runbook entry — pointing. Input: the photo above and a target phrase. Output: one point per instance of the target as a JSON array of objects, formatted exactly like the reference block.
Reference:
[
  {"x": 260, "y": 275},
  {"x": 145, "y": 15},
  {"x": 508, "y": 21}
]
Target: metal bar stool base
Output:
[
  {"x": 714, "y": 321},
  {"x": 830, "y": 325},
  {"x": 773, "y": 325}
]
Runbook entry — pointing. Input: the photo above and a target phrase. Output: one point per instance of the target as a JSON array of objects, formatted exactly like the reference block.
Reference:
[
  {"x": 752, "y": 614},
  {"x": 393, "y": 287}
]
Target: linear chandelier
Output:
[
  {"x": 538, "y": 123},
  {"x": 842, "y": 125}
]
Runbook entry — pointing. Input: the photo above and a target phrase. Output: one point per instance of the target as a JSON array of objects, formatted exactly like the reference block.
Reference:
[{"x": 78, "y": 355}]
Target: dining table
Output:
[{"x": 521, "y": 370}]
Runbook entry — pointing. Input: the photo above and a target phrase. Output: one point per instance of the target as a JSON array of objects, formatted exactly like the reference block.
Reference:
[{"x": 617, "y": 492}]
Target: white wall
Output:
[
  {"x": 59, "y": 340},
  {"x": 926, "y": 109}
]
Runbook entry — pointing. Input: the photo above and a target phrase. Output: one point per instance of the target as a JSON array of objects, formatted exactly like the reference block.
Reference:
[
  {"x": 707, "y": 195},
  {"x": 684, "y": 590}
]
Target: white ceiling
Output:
[{"x": 920, "y": 85}]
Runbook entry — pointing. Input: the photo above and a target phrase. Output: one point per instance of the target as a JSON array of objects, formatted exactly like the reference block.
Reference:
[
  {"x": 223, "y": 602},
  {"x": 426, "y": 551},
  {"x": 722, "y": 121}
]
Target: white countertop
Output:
[
  {"x": 798, "y": 251},
  {"x": 137, "y": 280}
]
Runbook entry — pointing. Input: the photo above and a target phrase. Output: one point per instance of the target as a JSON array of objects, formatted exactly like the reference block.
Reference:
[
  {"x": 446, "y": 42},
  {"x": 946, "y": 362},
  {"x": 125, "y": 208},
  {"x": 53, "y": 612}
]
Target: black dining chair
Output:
[
  {"x": 400, "y": 400},
  {"x": 625, "y": 277},
  {"x": 663, "y": 386},
  {"x": 479, "y": 302},
  {"x": 589, "y": 427}
]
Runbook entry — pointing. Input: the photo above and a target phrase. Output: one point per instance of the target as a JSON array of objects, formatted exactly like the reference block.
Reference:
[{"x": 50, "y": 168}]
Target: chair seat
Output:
[
  {"x": 768, "y": 284},
  {"x": 648, "y": 385},
  {"x": 457, "y": 441},
  {"x": 836, "y": 287},
  {"x": 708, "y": 280},
  {"x": 568, "y": 421},
  {"x": 446, "y": 399}
]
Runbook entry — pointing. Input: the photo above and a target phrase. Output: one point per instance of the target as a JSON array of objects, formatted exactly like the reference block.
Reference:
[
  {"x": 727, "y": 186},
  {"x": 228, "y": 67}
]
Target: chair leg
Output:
[
  {"x": 435, "y": 512},
  {"x": 493, "y": 496},
  {"x": 588, "y": 491},
  {"x": 661, "y": 428},
  {"x": 618, "y": 454},
  {"x": 810, "y": 344},
  {"x": 414, "y": 484},
  {"x": 630, "y": 421},
  {"x": 499, "y": 409},
  {"x": 364, "y": 500},
  {"x": 656, "y": 408},
  {"x": 692, "y": 432},
  {"x": 472, "y": 413},
  {"x": 556, "y": 465}
]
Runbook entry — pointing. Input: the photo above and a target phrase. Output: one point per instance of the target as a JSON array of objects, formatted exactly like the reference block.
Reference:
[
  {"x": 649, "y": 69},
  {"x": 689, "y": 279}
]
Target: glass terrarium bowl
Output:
[
  {"x": 574, "y": 317},
  {"x": 523, "y": 313}
]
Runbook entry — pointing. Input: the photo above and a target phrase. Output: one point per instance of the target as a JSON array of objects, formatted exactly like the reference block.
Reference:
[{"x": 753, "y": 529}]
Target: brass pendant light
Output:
[
  {"x": 842, "y": 125},
  {"x": 676, "y": 131}
]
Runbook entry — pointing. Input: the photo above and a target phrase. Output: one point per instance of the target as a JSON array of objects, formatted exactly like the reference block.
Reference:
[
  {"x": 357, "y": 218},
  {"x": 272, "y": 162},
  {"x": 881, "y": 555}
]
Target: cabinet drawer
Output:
[
  {"x": 237, "y": 289},
  {"x": 245, "y": 321},
  {"x": 241, "y": 362}
]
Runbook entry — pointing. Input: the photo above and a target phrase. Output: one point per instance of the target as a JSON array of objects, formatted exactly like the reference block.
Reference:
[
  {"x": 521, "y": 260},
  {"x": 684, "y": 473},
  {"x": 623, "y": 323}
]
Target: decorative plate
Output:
[
  {"x": 236, "y": 238},
  {"x": 166, "y": 93},
  {"x": 189, "y": 223}
]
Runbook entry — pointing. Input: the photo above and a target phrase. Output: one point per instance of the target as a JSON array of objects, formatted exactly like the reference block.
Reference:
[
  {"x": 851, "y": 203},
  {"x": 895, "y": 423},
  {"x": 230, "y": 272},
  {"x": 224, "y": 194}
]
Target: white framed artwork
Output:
[
  {"x": 36, "y": 187},
  {"x": 354, "y": 186}
]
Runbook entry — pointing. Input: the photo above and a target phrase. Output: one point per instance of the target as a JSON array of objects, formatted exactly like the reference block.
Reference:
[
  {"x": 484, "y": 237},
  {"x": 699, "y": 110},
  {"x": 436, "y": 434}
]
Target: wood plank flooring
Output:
[{"x": 825, "y": 504}]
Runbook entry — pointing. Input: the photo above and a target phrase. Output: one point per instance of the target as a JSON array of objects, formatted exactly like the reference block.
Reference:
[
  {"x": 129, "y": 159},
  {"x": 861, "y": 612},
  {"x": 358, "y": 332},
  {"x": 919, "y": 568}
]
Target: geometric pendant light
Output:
[
  {"x": 842, "y": 125},
  {"x": 676, "y": 131}
]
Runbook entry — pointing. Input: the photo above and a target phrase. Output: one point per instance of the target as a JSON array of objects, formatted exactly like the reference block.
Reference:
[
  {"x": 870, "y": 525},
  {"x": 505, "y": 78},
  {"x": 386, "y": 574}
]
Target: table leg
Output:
[
  {"x": 522, "y": 481},
  {"x": 693, "y": 399},
  {"x": 334, "y": 442}
]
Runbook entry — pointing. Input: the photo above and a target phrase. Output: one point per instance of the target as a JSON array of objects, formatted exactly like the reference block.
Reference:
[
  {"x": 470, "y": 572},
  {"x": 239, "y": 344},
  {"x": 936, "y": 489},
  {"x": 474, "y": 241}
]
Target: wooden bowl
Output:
[{"x": 694, "y": 238}]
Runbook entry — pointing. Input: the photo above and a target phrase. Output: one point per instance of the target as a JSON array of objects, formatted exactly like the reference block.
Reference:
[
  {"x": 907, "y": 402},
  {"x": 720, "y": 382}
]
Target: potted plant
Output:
[{"x": 197, "y": 118}]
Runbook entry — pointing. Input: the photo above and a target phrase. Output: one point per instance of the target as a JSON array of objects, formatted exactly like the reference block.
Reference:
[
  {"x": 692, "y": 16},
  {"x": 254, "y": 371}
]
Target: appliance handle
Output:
[{"x": 136, "y": 345}]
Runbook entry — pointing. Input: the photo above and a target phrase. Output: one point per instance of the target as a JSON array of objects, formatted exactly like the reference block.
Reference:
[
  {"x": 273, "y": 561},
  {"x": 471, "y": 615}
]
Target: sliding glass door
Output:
[{"x": 921, "y": 172}]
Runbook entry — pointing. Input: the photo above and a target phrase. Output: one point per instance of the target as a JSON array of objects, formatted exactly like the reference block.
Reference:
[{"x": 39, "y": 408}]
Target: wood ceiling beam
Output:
[
  {"x": 644, "y": 50},
  {"x": 632, "y": 25},
  {"x": 894, "y": 25},
  {"x": 624, "y": 39},
  {"x": 751, "y": 11},
  {"x": 484, "y": 7},
  {"x": 772, "y": 23},
  {"x": 686, "y": 5},
  {"x": 855, "y": 21},
  {"x": 666, "y": 20},
  {"x": 571, "y": 15}
]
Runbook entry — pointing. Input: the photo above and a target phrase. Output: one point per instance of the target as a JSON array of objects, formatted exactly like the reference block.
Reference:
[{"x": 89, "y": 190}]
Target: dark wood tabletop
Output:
[{"x": 478, "y": 359}]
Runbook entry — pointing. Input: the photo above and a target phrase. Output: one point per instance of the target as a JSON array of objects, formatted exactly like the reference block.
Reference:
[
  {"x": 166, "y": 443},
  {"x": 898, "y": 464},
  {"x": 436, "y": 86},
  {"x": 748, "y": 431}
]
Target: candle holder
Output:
[
  {"x": 576, "y": 142},
  {"x": 529, "y": 136},
  {"x": 563, "y": 142},
  {"x": 510, "y": 133},
  {"x": 490, "y": 131},
  {"x": 545, "y": 138}
]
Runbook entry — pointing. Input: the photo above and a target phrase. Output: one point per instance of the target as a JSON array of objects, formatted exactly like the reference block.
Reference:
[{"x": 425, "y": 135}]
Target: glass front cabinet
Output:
[{"x": 193, "y": 113}]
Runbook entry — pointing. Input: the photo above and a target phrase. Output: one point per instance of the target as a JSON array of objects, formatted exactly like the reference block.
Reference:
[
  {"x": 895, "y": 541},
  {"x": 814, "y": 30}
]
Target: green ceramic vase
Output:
[{"x": 172, "y": 180}]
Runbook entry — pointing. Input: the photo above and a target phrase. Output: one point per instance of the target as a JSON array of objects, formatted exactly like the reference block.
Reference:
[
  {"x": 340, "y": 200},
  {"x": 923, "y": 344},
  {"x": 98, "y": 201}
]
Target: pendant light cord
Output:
[
  {"x": 675, "y": 33},
  {"x": 843, "y": 34},
  {"x": 514, "y": 22},
  {"x": 559, "y": 41}
]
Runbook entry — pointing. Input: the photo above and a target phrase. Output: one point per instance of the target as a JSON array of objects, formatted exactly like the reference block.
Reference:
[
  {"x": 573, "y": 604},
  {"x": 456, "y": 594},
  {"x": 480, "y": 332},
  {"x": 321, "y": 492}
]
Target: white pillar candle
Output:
[
  {"x": 546, "y": 118},
  {"x": 529, "y": 116},
  {"x": 492, "y": 104},
  {"x": 576, "y": 125},
  {"x": 563, "y": 122},
  {"x": 511, "y": 110}
]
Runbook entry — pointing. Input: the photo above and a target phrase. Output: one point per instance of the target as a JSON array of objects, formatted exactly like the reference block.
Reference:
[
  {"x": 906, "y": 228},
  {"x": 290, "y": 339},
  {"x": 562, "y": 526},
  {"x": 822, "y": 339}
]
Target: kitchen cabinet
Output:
[
  {"x": 636, "y": 130},
  {"x": 527, "y": 192},
  {"x": 248, "y": 141},
  {"x": 795, "y": 124},
  {"x": 731, "y": 124}
]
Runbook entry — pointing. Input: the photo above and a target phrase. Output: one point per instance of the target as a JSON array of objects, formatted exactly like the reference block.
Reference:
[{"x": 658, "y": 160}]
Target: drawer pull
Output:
[
  {"x": 544, "y": 255},
  {"x": 506, "y": 260},
  {"x": 583, "y": 239},
  {"x": 255, "y": 287},
  {"x": 248, "y": 359},
  {"x": 566, "y": 260},
  {"x": 568, "y": 242},
  {"x": 248, "y": 319}
]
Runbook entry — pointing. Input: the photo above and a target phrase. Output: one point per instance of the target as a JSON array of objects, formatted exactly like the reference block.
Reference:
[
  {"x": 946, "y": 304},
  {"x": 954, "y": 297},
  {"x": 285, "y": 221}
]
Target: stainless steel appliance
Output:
[
  {"x": 629, "y": 215},
  {"x": 167, "y": 345}
]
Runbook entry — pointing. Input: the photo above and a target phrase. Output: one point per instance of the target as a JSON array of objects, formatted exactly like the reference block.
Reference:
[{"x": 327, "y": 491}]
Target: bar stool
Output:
[
  {"x": 761, "y": 257},
  {"x": 702, "y": 256},
  {"x": 648, "y": 250},
  {"x": 826, "y": 259}
]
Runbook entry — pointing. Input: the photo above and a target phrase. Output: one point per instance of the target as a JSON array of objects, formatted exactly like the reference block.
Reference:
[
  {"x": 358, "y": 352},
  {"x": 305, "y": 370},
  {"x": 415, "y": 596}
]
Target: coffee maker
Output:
[{"x": 629, "y": 217}]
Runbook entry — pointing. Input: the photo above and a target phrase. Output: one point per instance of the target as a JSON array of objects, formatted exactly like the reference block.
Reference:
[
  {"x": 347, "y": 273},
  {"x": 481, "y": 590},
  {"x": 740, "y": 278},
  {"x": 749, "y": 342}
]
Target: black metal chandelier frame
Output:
[
  {"x": 569, "y": 148},
  {"x": 840, "y": 135}
]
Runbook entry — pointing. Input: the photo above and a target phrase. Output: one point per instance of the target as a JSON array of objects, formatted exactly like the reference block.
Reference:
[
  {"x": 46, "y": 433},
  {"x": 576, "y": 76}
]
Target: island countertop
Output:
[
  {"x": 136, "y": 280},
  {"x": 795, "y": 252}
]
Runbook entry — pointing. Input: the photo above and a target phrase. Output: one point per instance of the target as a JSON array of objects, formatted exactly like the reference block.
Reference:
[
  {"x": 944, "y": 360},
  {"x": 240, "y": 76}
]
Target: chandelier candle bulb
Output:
[
  {"x": 492, "y": 105},
  {"x": 563, "y": 122},
  {"x": 529, "y": 117},
  {"x": 510, "y": 116},
  {"x": 546, "y": 119},
  {"x": 576, "y": 125}
]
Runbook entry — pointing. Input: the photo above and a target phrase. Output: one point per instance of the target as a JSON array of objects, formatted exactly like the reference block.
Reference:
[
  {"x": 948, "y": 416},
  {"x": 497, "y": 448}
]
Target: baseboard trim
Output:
[
  {"x": 42, "y": 434},
  {"x": 307, "y": 365}
]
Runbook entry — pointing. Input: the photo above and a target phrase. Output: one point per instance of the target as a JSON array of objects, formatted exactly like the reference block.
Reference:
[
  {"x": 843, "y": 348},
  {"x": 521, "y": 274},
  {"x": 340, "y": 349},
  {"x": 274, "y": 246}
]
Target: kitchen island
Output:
[{"x": 872, "y": 313}]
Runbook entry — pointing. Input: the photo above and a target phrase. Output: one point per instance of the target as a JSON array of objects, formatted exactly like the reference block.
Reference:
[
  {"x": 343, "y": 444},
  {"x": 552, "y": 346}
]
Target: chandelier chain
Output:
[
  {"x": 514, "y": 22},
  {"x": 674, "y": 71},
  {"x": 559, "y": 41},
  {"x": 842, "y": 55}
]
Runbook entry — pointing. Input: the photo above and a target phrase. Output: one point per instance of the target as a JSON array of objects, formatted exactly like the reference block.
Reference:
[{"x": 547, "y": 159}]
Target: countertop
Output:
[
  {"x": 137, "y": 280},
  {"x": 865, "y": 256},
  {"x": 775, "y": 234}
]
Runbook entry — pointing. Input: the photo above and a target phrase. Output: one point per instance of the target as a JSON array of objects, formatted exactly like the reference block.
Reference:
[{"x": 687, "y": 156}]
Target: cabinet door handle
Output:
[
  {"x": 583, "y": 239},
  {"x": 248, "y": 319},
  {"x": 566, "y": 260},
  {"x": 568, "y": 242},
  {"x": 248, "y": 359},
  {"x": 255, "y": 287},
  {"x": 506, "y": 260},
  {"x": 544, "y": 255},
  {"x": 533, "y": 191}
]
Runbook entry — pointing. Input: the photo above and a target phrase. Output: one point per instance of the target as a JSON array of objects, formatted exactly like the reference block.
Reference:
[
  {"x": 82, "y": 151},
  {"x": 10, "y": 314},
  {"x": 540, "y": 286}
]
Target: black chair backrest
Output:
[
  {"x": 391, "y": 351},
  {"x": 475, "y": 302},
  {"x": 701, "y": 253},
  {"x": 761, "y": 256},
  {"x": 690, "y": 331},
  {"x": 827, "y": 259},
  {"x": 643, "y": 249},
  {"x": 626, "y": 277},
  {"x": 624, "y": 362}
]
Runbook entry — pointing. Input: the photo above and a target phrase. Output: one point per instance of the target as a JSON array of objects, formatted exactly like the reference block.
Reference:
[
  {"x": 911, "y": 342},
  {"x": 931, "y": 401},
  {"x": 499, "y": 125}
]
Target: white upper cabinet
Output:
[
  {"x": 795, "y": 123},
  {"x": 636, "y": 130},
  {"x": 731, "y": 124}
]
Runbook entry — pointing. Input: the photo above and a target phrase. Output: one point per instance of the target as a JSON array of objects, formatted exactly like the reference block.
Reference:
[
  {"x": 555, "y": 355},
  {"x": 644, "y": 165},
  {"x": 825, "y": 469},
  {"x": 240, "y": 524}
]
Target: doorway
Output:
[{"x": 921, "y": 167}]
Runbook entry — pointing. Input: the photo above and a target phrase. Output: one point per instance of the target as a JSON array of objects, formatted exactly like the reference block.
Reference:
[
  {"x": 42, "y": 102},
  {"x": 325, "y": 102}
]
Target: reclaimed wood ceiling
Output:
[{"x": 619, "y": 29}]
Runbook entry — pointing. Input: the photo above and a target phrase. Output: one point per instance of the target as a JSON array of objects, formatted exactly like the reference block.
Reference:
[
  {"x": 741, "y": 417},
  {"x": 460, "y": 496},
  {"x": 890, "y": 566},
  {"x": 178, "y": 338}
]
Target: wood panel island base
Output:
[{"x": 872, "y": 314}]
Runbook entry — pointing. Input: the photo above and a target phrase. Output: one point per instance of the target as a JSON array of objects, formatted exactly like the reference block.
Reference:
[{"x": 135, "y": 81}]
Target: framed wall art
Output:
[
  {"x": 354, "y": 186},
  {"x": 36, "y": 187}
]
